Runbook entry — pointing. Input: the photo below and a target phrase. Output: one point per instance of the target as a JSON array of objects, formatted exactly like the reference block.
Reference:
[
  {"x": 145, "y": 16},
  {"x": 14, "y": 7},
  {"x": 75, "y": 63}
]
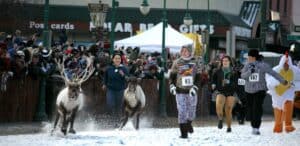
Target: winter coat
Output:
[
  {"x": 113, "y": 80},
  {"x": 226, "y": 83}
]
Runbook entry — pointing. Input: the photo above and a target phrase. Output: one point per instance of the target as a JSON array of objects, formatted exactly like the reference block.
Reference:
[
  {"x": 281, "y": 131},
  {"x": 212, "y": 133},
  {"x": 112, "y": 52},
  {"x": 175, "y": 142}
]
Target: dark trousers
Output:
[
  {"x": 255, "y": 107},
  {"x": 240, "y": 108},
  {"x": 239, "y": 111},
  {"x": 114, "y": 101}
]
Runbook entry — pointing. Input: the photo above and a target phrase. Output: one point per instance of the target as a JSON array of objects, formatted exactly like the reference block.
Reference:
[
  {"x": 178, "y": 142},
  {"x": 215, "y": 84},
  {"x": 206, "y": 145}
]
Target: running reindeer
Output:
[
  {"x": 134, "y": 101},
  {"x": 70, "y": 99}
]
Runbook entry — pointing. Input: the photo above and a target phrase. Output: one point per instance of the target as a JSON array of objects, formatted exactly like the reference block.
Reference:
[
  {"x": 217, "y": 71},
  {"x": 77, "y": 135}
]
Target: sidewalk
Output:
[
  {"x": 105, "y": 123},
  {"x": 20, "y": 128}
]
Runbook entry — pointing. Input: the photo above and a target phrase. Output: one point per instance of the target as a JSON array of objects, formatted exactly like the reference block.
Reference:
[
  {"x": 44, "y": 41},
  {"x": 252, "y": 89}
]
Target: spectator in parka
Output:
[
  {"x": 183, "y": 79},
  {"x": 4, "y": 58},
  {"x": 115, "y": 84},
  {"x": 46, "y": 64},
  {"x": 136, "y": 68},
  {"x": 255, "y": 87},
  {"x": 17, "y": 39},
  {"x": 75, "y": 64},
  {"x": 154, "y": 72},
  {"x": 225, "y": 82}
]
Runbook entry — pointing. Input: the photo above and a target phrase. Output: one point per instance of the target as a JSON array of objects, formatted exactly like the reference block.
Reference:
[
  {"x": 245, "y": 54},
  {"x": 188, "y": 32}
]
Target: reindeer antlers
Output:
[
  {"x": 77, "y": 77},
  {"x": 88, "y": 71}
]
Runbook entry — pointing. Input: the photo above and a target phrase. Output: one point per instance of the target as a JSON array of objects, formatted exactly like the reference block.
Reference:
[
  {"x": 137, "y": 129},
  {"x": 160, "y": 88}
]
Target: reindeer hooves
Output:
[
  {"x": 120, "y": 128},
  {"x": 52, "y": 131},
  {"x": 64, "y": 131},
  {"x": 72, "y": 131}
]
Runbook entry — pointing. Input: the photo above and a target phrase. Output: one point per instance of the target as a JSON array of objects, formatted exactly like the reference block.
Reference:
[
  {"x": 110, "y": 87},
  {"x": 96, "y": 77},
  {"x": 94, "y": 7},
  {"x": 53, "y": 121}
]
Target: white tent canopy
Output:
[{"x": 151, "y": 40}]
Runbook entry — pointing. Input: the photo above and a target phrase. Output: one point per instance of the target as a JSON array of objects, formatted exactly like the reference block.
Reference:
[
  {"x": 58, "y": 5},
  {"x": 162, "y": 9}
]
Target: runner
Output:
[
  {"x": 183, "y": 81},
  {"x": 255, "y": 87},
  {"x": 225, "y": 83},
  {"x": 283, "y": 96}
]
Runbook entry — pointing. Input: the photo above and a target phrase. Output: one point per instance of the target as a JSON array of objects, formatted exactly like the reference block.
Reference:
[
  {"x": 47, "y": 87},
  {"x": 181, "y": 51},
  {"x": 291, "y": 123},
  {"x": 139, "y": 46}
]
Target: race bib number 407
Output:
[
  {"x": 254, "y": 77},
  {"x": 187, "y": 81}
]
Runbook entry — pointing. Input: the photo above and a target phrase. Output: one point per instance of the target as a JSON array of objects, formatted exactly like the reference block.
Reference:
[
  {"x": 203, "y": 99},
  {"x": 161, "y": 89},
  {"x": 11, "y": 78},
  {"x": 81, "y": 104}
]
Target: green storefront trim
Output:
[
  {"x": 21, "y": 16},
  {"x": 132, "y": 15}
]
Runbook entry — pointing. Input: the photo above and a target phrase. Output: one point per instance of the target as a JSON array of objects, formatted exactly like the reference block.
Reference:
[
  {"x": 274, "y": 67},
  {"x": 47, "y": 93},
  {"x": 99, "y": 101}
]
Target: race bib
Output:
[
  {"x": 187, "y": 81},
  {"x": 241, "y": 82},
  {"x": 226, "y": 81},
  {"x": 254, "y": 77}
]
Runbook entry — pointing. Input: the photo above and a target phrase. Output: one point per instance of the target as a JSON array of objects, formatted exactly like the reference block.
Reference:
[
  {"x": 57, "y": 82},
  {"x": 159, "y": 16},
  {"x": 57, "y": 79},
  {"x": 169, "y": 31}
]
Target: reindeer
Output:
[
  {"x": 134, "y": 101},
  {"x": 70, "y": 99}
]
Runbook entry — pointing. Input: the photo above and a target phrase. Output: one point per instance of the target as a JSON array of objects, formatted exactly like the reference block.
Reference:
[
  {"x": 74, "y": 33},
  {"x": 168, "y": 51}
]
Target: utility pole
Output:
[
  {"x": 206, "y": 35},
  {"x": 40, "y": 114},
  {"x": 263, "y": 25},
  {"x": 162, "y": 82}
]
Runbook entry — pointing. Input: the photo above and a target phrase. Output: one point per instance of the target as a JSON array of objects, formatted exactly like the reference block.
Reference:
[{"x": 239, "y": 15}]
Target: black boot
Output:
[
  {"x": 228, "y": 130},
  {"x": 190, "y": 127},
  {"x": 183, "y": 130},
  {"x": 220, "y": 124}
]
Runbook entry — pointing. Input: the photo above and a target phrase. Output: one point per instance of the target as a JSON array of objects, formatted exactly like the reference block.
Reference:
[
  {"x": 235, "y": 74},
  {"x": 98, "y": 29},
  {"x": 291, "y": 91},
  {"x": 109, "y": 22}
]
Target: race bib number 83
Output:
[
  {"x": 187, "y": 81},
  {"x": 254, "y": 77}
]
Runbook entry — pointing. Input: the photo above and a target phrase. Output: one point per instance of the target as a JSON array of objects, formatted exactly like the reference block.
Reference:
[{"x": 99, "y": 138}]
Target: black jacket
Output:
[{"x": 225, "y": 83}]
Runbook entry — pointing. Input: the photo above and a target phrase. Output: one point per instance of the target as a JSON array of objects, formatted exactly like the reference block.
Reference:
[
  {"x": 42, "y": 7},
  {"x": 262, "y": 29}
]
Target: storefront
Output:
[{"x": 75, "y": 20}]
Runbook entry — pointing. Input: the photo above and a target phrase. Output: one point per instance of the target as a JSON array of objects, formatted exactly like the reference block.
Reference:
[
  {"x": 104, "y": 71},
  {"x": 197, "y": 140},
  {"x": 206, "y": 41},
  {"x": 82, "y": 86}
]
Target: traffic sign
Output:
[{"x": 293, "y": 37}]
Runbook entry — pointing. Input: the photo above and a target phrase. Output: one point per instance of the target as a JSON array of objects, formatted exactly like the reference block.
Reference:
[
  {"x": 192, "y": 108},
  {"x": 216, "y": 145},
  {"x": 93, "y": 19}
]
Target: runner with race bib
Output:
[
  {"x": 255, "y": 87},
  {"x": 224, "y": 82},
  {"x": 183, "y": 79}
]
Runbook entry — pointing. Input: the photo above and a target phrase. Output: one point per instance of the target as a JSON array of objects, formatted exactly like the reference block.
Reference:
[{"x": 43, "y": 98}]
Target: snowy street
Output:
[{"x": 241, "y": 135}]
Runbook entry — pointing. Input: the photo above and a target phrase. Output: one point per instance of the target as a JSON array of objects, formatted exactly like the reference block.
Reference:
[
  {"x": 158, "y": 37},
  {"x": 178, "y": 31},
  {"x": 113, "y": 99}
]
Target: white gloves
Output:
[
  {"x": 173, "y": 89},
  {"x": 193, "y": 91}
]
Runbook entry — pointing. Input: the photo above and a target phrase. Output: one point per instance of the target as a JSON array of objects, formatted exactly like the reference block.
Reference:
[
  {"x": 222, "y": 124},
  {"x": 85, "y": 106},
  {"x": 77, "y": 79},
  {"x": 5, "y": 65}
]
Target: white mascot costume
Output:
[{"x": 283, "y": 95}]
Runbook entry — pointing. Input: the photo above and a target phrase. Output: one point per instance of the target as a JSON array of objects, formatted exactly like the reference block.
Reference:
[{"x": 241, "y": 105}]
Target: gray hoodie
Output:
[{"x": 256, "y": 81}]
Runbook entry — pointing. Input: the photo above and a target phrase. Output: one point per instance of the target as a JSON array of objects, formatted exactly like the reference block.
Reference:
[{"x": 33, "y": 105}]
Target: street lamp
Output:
[
  {"x": 40, "y": 114},
  {"x": 206, "y": 35},
  {"x": 162, "y": 82},
  {"x": 98, "y": 13},
  {"x": 187, "y": 20},
  {"x": 144, "y": 8},
  {"x": 112, "y": 33}
]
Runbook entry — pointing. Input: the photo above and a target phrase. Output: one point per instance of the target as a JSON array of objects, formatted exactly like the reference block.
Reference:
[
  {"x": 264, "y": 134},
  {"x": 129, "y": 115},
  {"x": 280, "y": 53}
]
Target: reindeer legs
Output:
[
  {"x": 55, "y": 122},
  {"x": 137, "y": 121},
  {"x": 65, "y": 122},
  {"x": 73, "y": 115},
  {"x": 124, "y": 120}
]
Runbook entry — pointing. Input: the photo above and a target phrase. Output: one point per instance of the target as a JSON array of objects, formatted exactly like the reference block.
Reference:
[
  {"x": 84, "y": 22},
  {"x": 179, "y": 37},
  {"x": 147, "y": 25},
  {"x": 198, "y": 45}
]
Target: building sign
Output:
[
  {"x": 195, "y": 28},
  {"x": 128, "y": 27},
  {"x": 241, "y": 31},
  {"x": 297, "y": 28},
  {"x": 54, "y": 26}
]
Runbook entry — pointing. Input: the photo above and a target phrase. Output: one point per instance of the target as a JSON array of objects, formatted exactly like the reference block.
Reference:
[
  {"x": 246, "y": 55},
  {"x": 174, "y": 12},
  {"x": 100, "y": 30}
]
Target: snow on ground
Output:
[{"x": 206, "y": 136}]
